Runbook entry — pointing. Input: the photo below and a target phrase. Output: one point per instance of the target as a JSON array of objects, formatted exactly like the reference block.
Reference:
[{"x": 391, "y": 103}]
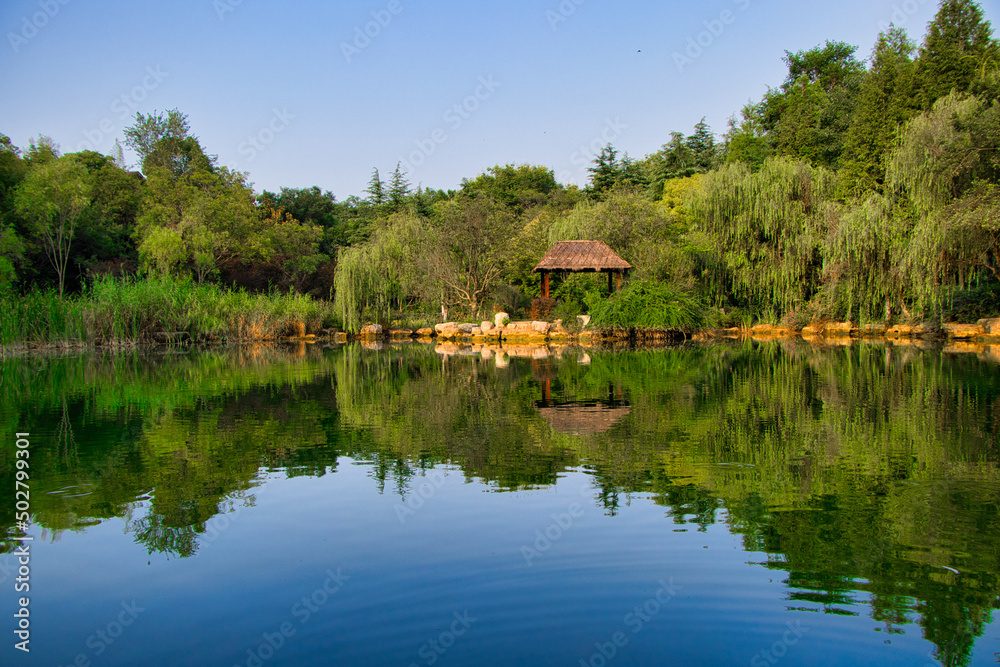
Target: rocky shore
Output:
[{"x": 529, "y": 331}]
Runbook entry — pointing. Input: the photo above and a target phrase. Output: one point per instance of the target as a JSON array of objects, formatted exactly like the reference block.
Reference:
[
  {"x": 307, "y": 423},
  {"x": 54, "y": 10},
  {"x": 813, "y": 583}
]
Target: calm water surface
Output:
[{"x": 734, "y": 504}]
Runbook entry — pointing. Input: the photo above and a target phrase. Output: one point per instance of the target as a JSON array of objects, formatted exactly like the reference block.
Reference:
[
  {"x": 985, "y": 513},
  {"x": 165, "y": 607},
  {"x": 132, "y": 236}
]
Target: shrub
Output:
[{"x": 646, "y": 304}]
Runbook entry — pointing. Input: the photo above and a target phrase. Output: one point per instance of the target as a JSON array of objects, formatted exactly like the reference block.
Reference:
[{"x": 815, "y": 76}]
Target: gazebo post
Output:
[
  {"x": 618, "y": 280},
  {"x": 545, "y": 284}
]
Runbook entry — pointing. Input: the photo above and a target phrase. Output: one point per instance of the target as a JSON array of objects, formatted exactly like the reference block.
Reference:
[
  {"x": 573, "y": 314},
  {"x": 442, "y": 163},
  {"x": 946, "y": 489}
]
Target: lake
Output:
[{"x": 734, "y": 503}]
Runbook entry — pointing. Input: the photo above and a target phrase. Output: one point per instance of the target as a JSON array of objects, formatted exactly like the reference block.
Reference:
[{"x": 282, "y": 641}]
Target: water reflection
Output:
[{"x": 866, "y": 477}]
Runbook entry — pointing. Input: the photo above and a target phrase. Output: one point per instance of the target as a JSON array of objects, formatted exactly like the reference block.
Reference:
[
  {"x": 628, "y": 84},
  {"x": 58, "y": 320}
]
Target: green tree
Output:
[
  {"x": 766, "y": 229},
  {"x": 948, "y": 166},
  {"x": 747, "y": 140},
  {"x": 156, "y": 139},
  {"x": 106, "y": 233},
  {"x": 523, "y": 188},
  {"x": 376, "y": 189},
  {"x": 41, "y": 150},
  {"x": 468, "y": 252},
  {"x": 957, "y": 47},
  {"x": 885, "y": 103},
  {"x": 52, "y": 198},
  {"x": 12, "y": 172},
  {"x": 831, "y": 66},
  {"x": 399, "y": 189},
  {"x": 194, "y": 216},
  {"x": 606, "y": 172},
  {"x": 385, "y": 272},
  {"x": 808, "y": 117}
]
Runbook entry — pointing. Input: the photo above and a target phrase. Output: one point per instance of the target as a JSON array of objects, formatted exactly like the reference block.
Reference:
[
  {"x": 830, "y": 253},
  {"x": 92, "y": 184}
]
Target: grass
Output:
[
  {"x": 130, "y": 311},
  {"x": 645, "y": 304}
]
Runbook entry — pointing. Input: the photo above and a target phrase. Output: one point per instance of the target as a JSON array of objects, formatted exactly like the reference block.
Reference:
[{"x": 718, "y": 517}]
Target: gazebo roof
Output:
[
  {"x": 578, "y": 256},
  {"x": 583, "y": 419}
]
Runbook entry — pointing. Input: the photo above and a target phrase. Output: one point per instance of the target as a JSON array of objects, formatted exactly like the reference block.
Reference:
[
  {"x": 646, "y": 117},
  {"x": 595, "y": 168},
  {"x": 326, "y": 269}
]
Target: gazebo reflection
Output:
[{"x": 583, "y": 417}]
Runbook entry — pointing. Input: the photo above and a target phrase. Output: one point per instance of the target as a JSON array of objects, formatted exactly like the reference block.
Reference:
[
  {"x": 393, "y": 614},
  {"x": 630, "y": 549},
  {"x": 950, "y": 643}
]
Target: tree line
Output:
[{"x": 862, "y": 189}]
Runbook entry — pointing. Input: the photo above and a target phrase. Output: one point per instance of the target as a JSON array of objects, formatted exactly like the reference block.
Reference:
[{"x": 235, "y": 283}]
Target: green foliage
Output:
[
  {"x": 865, "y": 279},
  {"x": 376, "y": 189},
  {"x": 747, "y": 140},
  {"x": 767, "y": 228},
  {"x": 683, "y": 156},
  {"x": 524, "y": 189},
  {"x": 160, "y": 141},
  {"x": 947, "y": 164},
  {"x": 384, "y": 273},
  {"x": 885, "y": 102},
  {"x": 808, "y": 117},
  {"x": 116, "y": 311},
  {"x": 52, "y": 198},
  {"x": 957, "y": 50},
  {"x": 649, "y": 305}
]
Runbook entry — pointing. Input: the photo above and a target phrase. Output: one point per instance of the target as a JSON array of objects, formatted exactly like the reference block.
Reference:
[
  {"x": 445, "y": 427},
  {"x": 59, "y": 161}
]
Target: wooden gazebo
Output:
[{"x": 582, "y": 257}]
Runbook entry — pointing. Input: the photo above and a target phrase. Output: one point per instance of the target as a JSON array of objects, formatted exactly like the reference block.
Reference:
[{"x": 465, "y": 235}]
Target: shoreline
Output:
[{"x": 953, "y": 337}]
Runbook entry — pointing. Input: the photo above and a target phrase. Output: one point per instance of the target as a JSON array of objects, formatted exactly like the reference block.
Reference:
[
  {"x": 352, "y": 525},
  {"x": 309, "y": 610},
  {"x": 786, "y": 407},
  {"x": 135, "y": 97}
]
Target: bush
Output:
[
  {"x": 541, "y": 308},
  {"x": 646, "y": 304}
]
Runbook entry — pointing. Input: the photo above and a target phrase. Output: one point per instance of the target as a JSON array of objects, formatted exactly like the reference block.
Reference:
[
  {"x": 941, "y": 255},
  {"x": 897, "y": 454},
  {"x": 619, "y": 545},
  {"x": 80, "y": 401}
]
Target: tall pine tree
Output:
[
  {"x": 885, "y": 102},
  {"x": 957, "y": 47},
  {"x": 376, "y": 189},
  {"x": 399, "y": 188}
]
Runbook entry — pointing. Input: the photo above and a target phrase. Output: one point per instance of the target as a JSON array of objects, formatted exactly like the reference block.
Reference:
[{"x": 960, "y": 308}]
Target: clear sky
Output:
[{"x": 318, "y": 93}]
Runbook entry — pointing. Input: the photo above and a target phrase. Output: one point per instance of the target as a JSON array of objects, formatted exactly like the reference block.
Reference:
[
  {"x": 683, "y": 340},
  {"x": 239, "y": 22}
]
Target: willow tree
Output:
[
  {"x": 385, "y": 272},
  {"x": 863, "y": 276},
  {"x": 766, "y": 228},
  {"x": 949, "y": 167},
  {"x": 647, "y": 234}
]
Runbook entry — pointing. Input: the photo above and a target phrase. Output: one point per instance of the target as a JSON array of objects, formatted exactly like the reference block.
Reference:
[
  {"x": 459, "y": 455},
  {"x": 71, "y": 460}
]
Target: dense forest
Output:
[{"x": 860, "y": 189}]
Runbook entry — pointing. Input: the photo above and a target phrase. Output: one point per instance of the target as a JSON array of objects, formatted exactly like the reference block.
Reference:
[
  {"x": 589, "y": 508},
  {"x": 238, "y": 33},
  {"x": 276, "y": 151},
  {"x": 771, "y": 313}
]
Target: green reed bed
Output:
[{"x": 130, "y": 311}]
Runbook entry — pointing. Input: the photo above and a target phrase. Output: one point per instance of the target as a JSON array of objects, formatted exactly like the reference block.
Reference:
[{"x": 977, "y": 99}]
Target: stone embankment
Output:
[
  {"x": 986, "y": 331},
  {"x": 495, "y": 331}
]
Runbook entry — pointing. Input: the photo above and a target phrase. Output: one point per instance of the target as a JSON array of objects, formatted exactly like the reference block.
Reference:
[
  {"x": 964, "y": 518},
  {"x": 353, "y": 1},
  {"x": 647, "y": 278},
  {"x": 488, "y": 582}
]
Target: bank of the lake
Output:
[{"x": 163, "y": 309}]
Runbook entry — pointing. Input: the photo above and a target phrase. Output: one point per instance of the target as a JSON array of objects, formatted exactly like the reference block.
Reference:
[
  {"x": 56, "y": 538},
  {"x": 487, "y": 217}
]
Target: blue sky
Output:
[{"x": 318, "y": 93}]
